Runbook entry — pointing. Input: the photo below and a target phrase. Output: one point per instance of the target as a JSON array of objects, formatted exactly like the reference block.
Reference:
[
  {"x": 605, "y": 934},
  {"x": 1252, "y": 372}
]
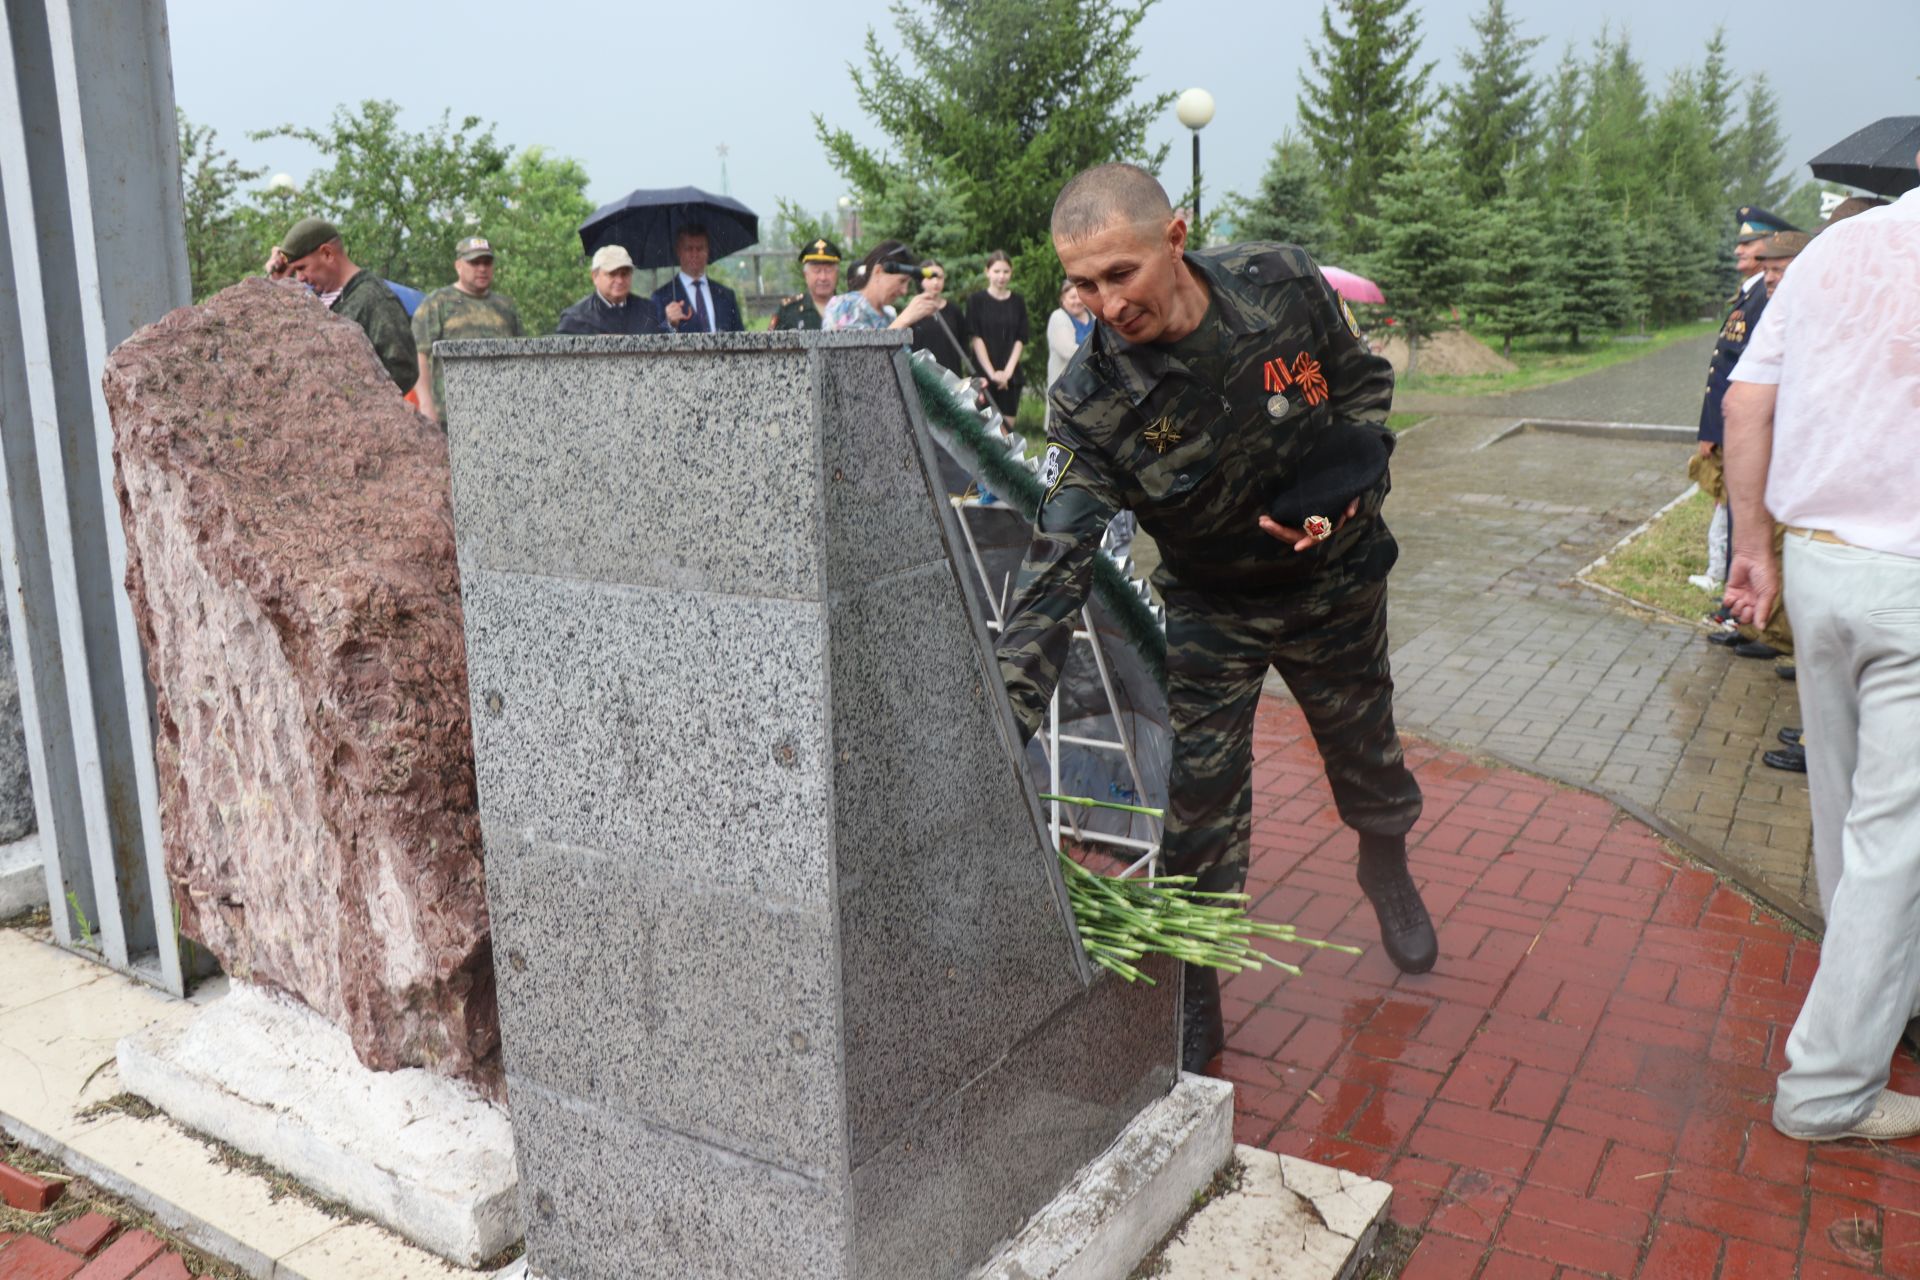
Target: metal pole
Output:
[{"x": 1196, "y": 180}]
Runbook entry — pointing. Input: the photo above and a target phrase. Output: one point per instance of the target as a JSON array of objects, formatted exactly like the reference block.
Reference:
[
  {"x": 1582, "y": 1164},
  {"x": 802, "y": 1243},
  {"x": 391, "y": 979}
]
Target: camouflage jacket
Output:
[
  {"x": 1197, "y": 457},
  {"x": 450, "y": 313},
  {"x": 796, "y": 313},
  {"x": 368, "y": 302}
]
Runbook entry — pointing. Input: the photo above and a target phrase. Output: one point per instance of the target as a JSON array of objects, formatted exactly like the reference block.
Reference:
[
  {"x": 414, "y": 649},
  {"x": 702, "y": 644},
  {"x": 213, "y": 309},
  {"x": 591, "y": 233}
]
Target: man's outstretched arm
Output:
[{"x": 1053, "y": 582}]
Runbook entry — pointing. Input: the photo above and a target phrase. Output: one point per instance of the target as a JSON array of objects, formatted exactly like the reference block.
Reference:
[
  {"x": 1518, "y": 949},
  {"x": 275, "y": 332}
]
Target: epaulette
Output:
[{"x": 1274, "y": 263}]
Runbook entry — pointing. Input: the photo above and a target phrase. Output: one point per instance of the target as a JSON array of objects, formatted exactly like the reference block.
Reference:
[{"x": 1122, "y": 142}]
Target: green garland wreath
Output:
[{"x": 1003, "y": 471}]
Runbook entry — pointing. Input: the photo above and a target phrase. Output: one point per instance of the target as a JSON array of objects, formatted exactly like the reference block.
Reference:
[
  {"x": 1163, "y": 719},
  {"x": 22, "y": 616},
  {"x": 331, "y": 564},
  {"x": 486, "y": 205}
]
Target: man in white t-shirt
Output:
[{"x": 1830, "y": 388}]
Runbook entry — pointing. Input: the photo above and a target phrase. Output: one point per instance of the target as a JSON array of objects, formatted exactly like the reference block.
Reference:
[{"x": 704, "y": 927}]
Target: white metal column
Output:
[{"x": 89, "y": 171}]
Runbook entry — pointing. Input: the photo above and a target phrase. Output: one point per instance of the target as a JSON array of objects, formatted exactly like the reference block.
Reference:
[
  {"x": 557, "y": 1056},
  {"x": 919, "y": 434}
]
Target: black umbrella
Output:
[
  {"x": 645, "y": 222},
  {"x": 1879, "y": 158}
]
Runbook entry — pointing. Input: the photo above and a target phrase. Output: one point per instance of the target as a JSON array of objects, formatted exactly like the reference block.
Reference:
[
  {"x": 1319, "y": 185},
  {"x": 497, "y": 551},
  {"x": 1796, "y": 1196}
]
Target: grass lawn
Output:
[
  {"x": 1542, "y": 363},
  {"x": 1653, "y": 568},
  {"x": 1398, "y": 422}
]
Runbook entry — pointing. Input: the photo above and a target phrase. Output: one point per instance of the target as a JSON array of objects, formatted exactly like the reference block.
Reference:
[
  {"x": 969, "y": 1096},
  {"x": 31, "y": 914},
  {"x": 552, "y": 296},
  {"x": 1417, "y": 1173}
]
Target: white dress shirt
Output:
[
  {"x": 698, "y": 288},
  {"x": 1841, "y": 339}
]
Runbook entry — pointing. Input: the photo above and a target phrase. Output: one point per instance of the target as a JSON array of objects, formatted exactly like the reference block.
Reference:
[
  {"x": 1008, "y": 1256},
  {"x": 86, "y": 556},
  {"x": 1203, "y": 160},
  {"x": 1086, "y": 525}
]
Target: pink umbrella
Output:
[{"x": 1352, "y": 287}]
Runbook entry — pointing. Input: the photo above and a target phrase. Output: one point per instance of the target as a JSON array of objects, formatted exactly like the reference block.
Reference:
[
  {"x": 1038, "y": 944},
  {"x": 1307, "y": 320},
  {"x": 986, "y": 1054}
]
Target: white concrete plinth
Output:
[
  {"x": 424, "y": 1155},
  {"x": 23, "y": 881},
  {"x": 1111, "y": 1216},
  {"x": 1290, "y": 1219}
]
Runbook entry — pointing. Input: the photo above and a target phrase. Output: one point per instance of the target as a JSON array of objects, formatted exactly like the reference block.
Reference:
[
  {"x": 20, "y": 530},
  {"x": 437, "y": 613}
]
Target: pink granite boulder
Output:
[{"x": 290, "y": 558}]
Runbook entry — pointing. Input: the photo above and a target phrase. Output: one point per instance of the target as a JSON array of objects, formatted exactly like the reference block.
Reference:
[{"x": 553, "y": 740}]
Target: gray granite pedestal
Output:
[{"x": 788, "y": 983}]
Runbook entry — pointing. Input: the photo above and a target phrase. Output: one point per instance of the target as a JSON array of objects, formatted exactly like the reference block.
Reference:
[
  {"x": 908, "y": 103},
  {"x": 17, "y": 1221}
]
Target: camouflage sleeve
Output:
[
  {"x": 425, "y": 325},
  {"x": 1080, "y": 498},
  {"x": 392, "y": 337},
  {"x": 1359, "y": 383},
  {"x": 514, "y": 327}
]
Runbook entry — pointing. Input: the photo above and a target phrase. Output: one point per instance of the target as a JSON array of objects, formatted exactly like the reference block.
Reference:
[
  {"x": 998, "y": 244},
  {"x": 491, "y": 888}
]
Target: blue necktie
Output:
[{"x": 699, "y": 309}]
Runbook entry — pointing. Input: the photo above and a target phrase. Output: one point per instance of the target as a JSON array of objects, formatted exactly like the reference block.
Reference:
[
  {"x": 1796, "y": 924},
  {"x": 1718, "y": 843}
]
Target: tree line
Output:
[
  {"x": 1561, "y": 202},
  {"x": 1565, "y": 203}
]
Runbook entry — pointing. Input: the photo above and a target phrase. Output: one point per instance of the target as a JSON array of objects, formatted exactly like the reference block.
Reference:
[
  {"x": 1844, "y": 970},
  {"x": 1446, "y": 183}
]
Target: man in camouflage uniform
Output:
[
  {"x": 1191, "y": 404},
  {"x": 467, "y": 308},
  {"x": 820, "y": 266},
  {"x": 313, "y": 254}
]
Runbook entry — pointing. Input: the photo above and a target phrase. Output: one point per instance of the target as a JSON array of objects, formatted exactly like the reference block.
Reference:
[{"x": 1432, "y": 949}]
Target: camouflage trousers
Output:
[{"x": 1328, "y": 641}]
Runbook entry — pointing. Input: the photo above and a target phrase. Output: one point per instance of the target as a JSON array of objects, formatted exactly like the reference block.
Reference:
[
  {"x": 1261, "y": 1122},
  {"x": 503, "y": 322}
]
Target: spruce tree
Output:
[
  {"x": 1615, "y": 128},
  {"x": 1513, "y": 289},
  {"x": 1491, "y": 118},
  {"x": 1363, "y": 99},
  {"x": 1759, "y": 147},
  {"x": 1596, "y": 297},
  {"x": 1561, "y": 123},
  {"x": 1419, "y": 251},
  {"x": 1290, "y": 205}
]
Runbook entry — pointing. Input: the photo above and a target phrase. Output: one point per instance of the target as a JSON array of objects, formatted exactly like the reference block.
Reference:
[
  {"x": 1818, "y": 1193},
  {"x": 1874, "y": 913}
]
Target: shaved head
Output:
[{"x": 1106, "y": 194}]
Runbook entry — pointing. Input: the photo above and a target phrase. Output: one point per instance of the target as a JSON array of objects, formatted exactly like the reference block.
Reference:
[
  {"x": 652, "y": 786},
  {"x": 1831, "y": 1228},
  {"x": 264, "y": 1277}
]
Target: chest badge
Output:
[
  {"x": 1163, "y": 435},
  {"x": 1735, "y": 330},
  {"x": 1303, "y": 375}
]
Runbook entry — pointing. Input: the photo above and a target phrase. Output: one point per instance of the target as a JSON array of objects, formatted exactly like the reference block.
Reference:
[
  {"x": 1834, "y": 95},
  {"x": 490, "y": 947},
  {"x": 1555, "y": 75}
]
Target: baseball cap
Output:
[
  {"x": 611, "y": 257},
  {"x": 473, "y": 247}
]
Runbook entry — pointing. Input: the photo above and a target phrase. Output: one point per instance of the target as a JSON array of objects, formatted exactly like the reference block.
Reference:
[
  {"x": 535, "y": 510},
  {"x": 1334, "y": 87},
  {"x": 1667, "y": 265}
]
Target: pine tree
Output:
[
  {"x": 1514, "y": 289},
  {"x": 1561, "y": 123},
  {"x": 989, "y": 108},
  {"x": 1717, "y": 88},
  {"x": 1290, "y": 205},
  {"x": 1420, "y": 253},
  {"x": 1615, "y": 128},
  {"x": 1363, "y": 100},
  {"x": 1759, "y": 147},
  {"x": 1491, "y": 119},
  {"x": 1596, "y": 297}
]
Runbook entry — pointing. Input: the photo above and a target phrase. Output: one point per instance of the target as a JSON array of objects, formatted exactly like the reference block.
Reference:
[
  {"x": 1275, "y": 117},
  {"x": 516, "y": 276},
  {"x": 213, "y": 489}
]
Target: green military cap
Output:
[
  {"x": 473, "y": 247},
  {"x": 821, "y": 250},
  {"x": 307, "y": 235},
  {"x": 1783, "y": 244}
]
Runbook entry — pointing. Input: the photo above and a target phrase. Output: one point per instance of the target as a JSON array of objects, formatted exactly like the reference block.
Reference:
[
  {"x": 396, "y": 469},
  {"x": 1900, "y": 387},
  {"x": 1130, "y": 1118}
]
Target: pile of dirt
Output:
[{"x": 1453, "y": 352}]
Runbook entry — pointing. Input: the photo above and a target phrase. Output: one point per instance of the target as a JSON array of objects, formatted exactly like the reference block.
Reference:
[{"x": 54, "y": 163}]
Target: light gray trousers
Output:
[{"x": 1856, "y": 633}]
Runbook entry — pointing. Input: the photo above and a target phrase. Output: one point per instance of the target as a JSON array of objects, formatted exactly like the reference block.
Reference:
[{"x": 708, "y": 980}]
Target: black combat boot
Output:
[
  {"x": 1203, "y": 1033},
  {"x": 1406, "y": 930}
]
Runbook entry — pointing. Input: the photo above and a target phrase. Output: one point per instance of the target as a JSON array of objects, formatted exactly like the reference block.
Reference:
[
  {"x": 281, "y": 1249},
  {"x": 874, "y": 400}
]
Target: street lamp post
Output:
[{"x": 1195, "y": 109}]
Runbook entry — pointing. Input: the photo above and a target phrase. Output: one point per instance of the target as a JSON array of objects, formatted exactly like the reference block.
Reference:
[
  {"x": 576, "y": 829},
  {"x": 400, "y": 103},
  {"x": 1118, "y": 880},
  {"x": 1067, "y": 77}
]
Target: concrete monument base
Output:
[
  {"x": 1126, "y": 1199},
  {"x": 418, "y": 1152},
  {"x": 1289, "y": 1219},
  {"x": 23, "y": 882}
]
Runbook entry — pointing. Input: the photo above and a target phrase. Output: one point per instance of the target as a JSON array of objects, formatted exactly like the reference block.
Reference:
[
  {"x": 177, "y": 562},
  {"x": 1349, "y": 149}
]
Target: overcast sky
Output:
[{"x": 642, "y": 104}]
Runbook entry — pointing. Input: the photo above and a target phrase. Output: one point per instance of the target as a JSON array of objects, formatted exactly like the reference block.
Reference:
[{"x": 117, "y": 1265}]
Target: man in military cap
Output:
[
  {"x": 313, "y": 254},
  {"x": 611, "y": 308},
  {"x": 1212, "y": 376},
  {"x": 467, "y": 308},
  {"x": 1743, "y": 312},
  {"x": 820, "y": 266}
]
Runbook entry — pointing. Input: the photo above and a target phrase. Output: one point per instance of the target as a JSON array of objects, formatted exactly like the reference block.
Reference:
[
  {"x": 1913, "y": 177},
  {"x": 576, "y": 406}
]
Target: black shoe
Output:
[
  {"x": 1723, "y": 637},
  {"x": 1406, "y": 930},
  {"x": 1787, "y": 671},
  {"x": 1203, "y": 1032},
  {"x": 1789, "y": 737},
  {"x": 1756, "y": 649},
  {"x": 1792, "y": 759}
]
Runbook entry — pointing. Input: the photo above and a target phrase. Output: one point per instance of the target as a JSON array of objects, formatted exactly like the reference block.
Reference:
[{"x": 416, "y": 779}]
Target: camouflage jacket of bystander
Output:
[
  {"x": 450, "y": 312},
  {"x": 1197, "y": 437},
  {"x": 368, "y": 302}
]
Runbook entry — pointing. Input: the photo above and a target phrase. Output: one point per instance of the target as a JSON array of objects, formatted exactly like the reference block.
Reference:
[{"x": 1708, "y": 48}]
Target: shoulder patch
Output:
[
  {"x": 1053, "y": 469},
  {"x": 1346, "y": 313}
]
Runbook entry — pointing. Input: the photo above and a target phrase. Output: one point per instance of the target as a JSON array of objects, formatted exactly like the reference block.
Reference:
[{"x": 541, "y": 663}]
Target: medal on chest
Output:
[{"x": 1163, "y": 435}]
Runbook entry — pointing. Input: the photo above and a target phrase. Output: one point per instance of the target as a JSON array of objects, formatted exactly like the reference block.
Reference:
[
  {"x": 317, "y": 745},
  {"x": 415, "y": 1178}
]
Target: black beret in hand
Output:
[{"x": 1342, "y": 462}]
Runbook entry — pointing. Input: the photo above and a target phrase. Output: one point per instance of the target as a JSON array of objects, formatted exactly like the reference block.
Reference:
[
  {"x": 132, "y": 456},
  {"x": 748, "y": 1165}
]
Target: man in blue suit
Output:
[
  {"x": 1743, "y": 313},
  {"x": 691, "y": 302}
]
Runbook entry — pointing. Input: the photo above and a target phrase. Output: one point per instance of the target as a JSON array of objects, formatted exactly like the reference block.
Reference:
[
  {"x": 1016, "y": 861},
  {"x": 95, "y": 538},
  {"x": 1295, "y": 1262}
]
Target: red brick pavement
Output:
[
  {"x": 1582, "y": 1086},
  {"x": 92, "y": 1247}
]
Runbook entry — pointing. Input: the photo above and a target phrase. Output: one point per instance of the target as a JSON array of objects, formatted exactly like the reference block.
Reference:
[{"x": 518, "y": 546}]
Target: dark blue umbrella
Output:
[
  {"x": 645, "y": 222},
  {"x": 1878, "y": 158}
]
